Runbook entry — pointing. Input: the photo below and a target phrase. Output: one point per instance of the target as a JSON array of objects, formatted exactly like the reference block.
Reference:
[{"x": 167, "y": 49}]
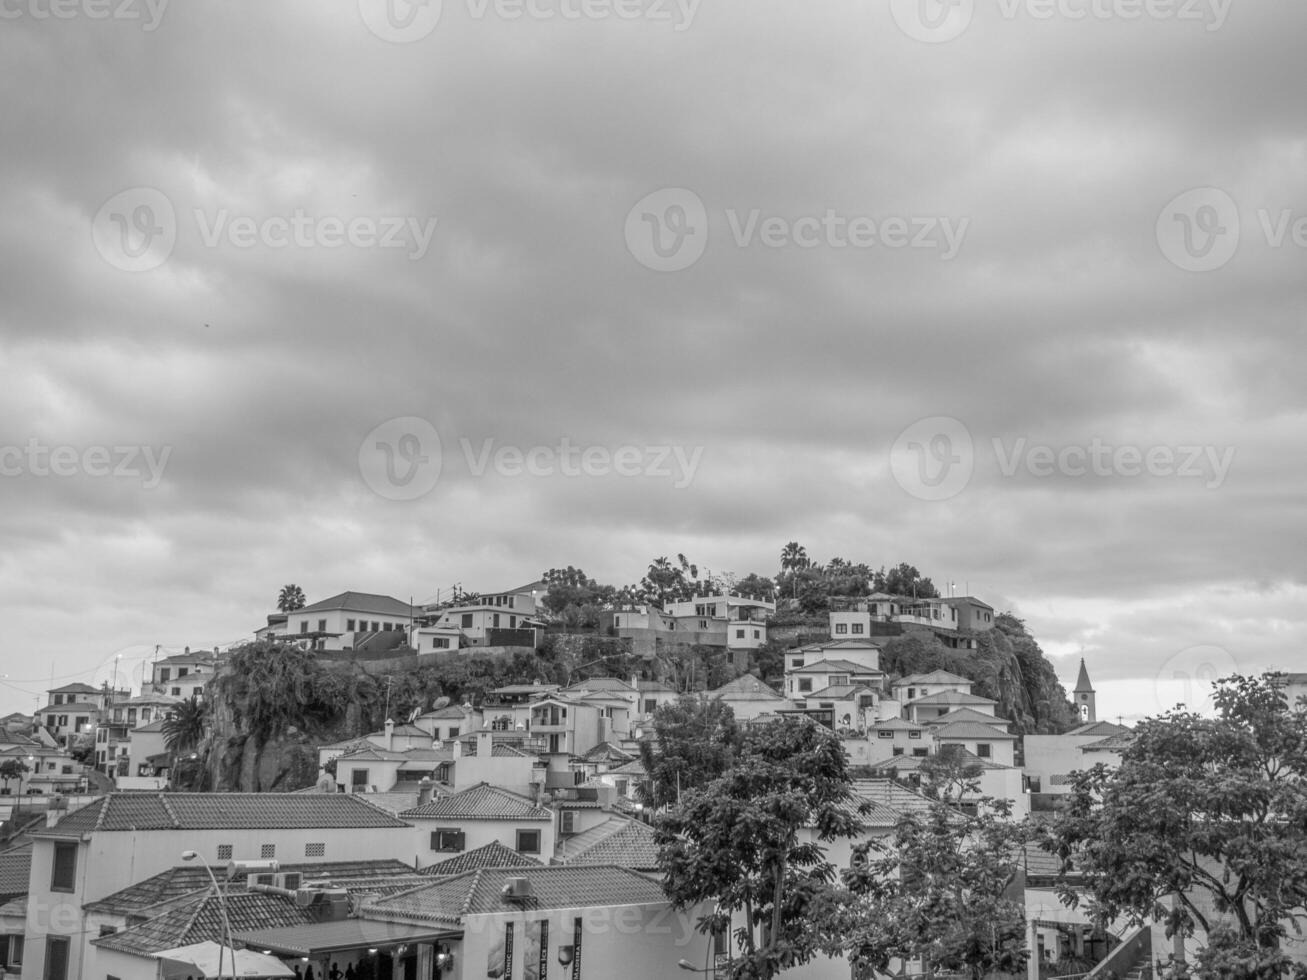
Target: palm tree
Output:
[
  {"x": 794, "y": 556},
  {"x": 291, "y": 598},
  {"x": 183, "y": 730}
]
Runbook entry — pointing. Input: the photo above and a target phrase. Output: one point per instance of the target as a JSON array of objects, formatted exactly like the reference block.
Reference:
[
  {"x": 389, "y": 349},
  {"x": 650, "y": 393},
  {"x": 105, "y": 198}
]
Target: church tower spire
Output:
[{"x": 1084, "y": 696}]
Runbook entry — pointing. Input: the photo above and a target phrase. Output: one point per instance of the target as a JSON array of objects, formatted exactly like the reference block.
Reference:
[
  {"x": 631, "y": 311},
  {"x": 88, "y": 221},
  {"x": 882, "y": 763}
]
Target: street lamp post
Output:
[{"x": 232, "y": 868}]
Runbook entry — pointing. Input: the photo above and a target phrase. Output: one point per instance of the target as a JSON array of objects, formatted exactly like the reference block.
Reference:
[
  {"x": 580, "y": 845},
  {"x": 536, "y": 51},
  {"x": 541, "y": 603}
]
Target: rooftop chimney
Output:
[{"x": 390, "y": 735}]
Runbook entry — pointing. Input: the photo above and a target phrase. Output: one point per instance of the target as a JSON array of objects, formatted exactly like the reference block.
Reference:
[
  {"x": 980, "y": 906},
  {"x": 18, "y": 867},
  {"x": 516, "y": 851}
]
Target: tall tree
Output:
[
  {"x": 290, "y": 598},
  {"x": 904, "y": 579},
  {"x": 184, "y": 729},
  {"x": 751, "y": 842},
  {"x": 695, "y": 740},
  {"x": 1202, "y": 813},
  {"x": 12, "y": 769},
  {"x": 939, "y": 891}
]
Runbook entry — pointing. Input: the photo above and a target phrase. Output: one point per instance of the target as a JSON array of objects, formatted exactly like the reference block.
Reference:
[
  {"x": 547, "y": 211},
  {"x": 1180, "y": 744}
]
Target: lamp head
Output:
[{"x": 189, "y": 855}]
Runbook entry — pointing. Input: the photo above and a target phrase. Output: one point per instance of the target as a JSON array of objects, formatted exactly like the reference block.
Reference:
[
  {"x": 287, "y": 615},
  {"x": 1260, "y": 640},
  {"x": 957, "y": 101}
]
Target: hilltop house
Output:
[
  {"x": 494, "y": 619},
  {"x": 725, "y": 620},
  {"x": 354, "y": 621},
  {"x": 476, "y": 816},
  {"x": 749, "y": 697}
]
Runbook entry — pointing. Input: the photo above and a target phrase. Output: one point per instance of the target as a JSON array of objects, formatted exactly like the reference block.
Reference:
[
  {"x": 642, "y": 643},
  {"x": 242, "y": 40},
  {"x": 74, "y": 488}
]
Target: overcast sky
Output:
[{"x": 1011, "y": 290}]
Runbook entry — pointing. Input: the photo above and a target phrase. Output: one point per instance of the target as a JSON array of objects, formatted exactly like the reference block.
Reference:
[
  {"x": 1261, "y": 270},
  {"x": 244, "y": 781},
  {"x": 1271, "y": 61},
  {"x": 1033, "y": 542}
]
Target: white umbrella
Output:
[{"x": 201, "y": 960}]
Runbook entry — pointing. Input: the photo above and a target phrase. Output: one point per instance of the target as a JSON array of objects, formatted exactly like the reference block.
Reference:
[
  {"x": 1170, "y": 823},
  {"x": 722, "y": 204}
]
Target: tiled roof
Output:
[
  {"x": 492, "y": 855},
  {"x": 205, "y": 657},
  {"x": 1113, "y": 743},
  {"x": 372, "y": 753},
  {"x": 606, "y": 752},
  {"x": 1097, "y": 729},
  {"x": 839, "y": 692},
  {"x": 201, "y": 921},
  {"x": 969, "y": 714},
  {"x": 633, "y": 768},
  {"x": 655, "y": 687},
  {"x": 187, "y": 879},
  {"x": 382, "y": 605},
  {"x": 601, "y": 684},
  {"x": 934, "y": 677},
  {"x": 890, "y": 794},
  {"x": 952, "y": 697},
  {"x": 973, "y": 729},
  {"x": 450, "y": 898},
  {"x": 618, "y": 841},
  {"x": 834, "y": 666},
  {"x": 746, "y": 688},
  {"x": 15, "y": 871},
  {"x": 899, "y": 725},
  {"x": 206, "y": 811},
  {"x": 68, "y": 709},
  {"x": 451, "y": 712},
  {"x": 152, "y": 728},
  {"x": 77, "y": 688},
  {"x": 911, "y": 763},
  {"x": 480, "y": 802},
  {"x": 498, "y": 750}
]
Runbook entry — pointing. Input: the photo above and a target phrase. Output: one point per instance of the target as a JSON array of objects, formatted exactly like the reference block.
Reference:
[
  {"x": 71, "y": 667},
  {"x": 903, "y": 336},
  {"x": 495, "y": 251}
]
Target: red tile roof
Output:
[
  {"x": 206, "y": 811},
  {"x": 201, "y": 921},
  {"x": 480, "y": 802},
  {"x": 492, "y": 855},
  {"x": 618, "y": 841}
]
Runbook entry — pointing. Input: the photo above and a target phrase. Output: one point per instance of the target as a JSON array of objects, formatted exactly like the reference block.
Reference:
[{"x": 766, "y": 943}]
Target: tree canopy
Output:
[{"x": 1212, "y": 811}]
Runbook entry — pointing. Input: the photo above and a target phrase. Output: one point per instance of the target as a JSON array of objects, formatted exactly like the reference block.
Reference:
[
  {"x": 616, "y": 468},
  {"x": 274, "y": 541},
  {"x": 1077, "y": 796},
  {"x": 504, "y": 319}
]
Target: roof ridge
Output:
[{"x": 172, "y": 814}]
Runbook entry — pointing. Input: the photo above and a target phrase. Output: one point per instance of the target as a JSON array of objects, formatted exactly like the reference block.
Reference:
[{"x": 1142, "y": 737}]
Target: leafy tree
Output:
[
  {"x": 905, "y": 580},
  {"x": 754, "y": 584},
  {"x": 1209, "y": 810},
  {"x": 939, "y": 890},
  {"x": 793, "y": 557},
  {"x": 750, "y": 841},
  {"x": 668, "y": 581},
  {"x": 12, "y": 769},
  {"x": 290, "y": 598},
  {"x": 695, "y": 742},
  {"x": 184, "y": 729}
]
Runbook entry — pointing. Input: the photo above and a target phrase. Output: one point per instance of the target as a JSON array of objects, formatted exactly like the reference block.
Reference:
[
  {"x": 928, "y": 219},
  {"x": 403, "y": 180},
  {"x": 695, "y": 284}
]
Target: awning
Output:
[
  {"x": 201, "y": 960},
  {"x": 330, "y": 937}
]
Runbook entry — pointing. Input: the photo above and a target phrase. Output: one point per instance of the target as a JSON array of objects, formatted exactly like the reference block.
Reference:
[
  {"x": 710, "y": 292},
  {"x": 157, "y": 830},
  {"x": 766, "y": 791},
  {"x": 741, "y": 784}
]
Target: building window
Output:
[
  {"x": 224, "y": 852},
  {"x": 857, "y": 628},
  {"x": 912, "y": 693},
  {"x": 914, "y": 734},
  {"x": 920, "y": 753},
  {"x": 739, "y": 634},
  {"x": 983, "y": 750},
  {"x": 884, "y": 733},
  {"x": 841, "y": 628},
  {"x": 358, "y": 778},
  {"x": 56, "y": 958},
  {"x": 898, "y": 750},
  {"x": 650, "y": 705},
  {"x": 796, "y": 662},
  {"x": 467, "y": 621},
  {"x": 440, "y": 643},
  {"x": 15, "y": 950},
  {"x": 805, "y": 685},
  {"x": 454, "y": 731},
  {"x": 63, "y": 874},
  {"x": 528, "y": 841},
  {"x": 376, "y": 627},
  {"x": 304, "y": 626},
  {"x": 165, "y": 674},
  {"x": 322, "y": 626},
  {"x": 267, "y": 851},
  {"x": 108, "y": 930},
  {"x": 176, "y": 692},
  {"x": 757, "y": 634},
  {"x": 315, "y": 850},
  {"x": 349, "y": 626},
  {"x": 448, "y": 840}
]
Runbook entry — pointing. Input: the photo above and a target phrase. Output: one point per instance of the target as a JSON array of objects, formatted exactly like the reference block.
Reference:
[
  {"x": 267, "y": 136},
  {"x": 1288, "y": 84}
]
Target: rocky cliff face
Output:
[{"x": 1009, "y": 667}]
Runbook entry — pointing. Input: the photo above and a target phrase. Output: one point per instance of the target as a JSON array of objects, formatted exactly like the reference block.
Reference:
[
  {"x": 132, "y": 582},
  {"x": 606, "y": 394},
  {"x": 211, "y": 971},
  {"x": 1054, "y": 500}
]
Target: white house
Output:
[
  {"x": 478, "y": 816},
  {"x": 346, "y": 622}
]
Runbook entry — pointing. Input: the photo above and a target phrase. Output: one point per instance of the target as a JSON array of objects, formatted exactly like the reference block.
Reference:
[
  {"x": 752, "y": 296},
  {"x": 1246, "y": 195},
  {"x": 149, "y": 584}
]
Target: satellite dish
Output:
[
  {"x": 413, "y": 715},
  {"x": 440, "y": 703}
]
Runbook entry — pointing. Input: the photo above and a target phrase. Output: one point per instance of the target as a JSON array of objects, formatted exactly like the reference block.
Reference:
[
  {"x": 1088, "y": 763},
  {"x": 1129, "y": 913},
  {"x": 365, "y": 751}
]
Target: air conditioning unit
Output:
[
  {"x": 289, "y": 880},
  {"x": 516, "y": 890},
  {"x": 265, "y": 879}
]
